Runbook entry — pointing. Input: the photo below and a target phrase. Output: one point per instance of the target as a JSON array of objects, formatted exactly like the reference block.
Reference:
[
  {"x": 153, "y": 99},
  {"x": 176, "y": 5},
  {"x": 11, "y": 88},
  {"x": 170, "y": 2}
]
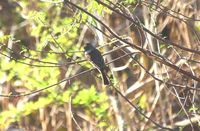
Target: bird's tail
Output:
[{"x": 105, "y": 79}]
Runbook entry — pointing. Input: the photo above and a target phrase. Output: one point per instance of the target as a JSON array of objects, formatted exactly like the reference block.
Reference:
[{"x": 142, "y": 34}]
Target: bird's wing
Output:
[{"x": 97, "y": 59}]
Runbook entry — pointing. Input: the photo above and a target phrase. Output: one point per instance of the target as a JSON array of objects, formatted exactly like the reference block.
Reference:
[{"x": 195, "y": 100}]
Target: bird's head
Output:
[{"x": 89, "y": 48}]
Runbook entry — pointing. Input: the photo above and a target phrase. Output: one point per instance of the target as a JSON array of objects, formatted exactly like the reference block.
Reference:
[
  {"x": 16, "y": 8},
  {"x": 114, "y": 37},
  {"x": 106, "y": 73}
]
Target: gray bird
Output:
[{"x": 96, "y": 59}]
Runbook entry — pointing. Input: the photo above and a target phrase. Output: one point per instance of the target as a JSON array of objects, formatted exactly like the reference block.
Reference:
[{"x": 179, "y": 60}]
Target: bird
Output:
[{"x": 96, "y": 59}]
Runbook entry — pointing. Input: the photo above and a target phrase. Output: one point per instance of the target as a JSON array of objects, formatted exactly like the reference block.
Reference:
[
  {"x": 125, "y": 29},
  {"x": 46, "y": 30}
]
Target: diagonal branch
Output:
[{"x": 152, "y": 55}]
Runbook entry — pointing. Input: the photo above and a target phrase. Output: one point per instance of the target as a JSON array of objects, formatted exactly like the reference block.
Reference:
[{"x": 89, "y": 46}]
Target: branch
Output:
[
  {"x": 152, "y": 55},
  {"x": 138, "y": 110},
  {"x": 167, "y": 42}
]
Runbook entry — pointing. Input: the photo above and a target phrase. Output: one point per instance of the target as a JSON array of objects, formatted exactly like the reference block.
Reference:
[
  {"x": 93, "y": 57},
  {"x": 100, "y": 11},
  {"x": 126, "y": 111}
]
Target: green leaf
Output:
[{"x": 4, "y": 38}]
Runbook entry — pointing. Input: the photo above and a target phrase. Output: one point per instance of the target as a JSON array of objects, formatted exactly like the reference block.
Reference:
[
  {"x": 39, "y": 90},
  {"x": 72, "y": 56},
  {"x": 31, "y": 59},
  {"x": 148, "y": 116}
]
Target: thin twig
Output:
[
  {"x": 148, "y": 53},
  {"x": 138, "y": 110},
  {"x": 167, "y": 42}
]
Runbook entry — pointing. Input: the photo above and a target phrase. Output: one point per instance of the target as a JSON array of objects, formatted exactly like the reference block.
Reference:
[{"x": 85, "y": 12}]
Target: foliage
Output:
[{"x": 41, "y": 53}]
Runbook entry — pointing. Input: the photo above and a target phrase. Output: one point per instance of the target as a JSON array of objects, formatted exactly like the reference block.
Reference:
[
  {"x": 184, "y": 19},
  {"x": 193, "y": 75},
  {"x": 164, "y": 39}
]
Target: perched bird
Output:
[{"x": 96, "y": 59}]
